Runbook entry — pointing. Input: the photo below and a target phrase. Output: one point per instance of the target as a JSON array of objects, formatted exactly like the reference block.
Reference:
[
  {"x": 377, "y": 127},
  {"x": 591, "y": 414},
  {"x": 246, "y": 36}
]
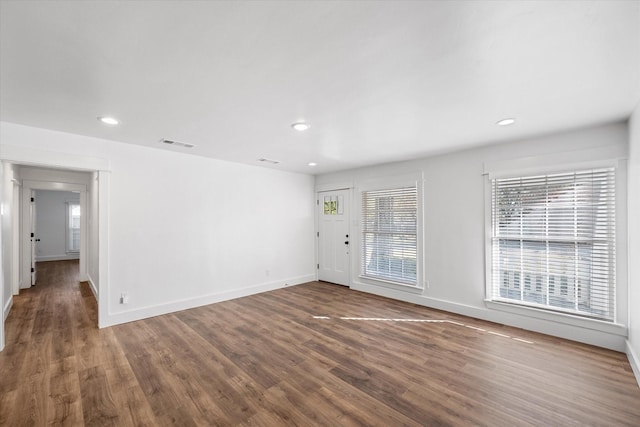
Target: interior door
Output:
[
  {"x": 33, "y": 237},
  {"x": 333, "y": 236}
]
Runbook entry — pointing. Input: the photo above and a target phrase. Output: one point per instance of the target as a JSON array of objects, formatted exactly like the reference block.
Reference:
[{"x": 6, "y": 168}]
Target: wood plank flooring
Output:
[{"x": 314, "y": 354}]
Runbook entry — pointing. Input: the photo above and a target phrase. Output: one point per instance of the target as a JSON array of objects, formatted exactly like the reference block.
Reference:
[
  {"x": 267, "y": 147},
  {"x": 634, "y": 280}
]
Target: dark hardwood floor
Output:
[{"x": 314, "y": 354}]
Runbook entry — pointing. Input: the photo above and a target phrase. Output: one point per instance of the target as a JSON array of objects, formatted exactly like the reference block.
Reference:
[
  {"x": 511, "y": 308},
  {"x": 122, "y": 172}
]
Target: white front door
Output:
[{"x": 333, "y": 237}]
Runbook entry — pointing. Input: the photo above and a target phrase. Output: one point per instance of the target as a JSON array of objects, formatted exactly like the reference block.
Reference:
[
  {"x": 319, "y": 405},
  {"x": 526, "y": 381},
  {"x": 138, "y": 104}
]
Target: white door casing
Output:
[
  {"x": 28, "y": 219},
  {"x": 33, "y": 237},
  {"x": 20, "y": 155},
  {"x": 16, "y": 212},
  {"x": 333, "y": 236}
]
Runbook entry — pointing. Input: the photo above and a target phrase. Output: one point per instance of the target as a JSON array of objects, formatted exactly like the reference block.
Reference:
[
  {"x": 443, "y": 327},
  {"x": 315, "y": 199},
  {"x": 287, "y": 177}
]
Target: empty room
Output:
[{"x": 320, "y": 213}]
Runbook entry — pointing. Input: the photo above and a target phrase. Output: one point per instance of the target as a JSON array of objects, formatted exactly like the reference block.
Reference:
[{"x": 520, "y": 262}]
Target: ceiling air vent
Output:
[
  {"x": 274, "y": 162},
  {"x": 179, "y": 144}
]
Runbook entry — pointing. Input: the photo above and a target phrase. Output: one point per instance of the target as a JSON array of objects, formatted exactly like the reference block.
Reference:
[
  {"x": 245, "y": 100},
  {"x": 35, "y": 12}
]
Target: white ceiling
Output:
[{"x": 377, "y": 81}]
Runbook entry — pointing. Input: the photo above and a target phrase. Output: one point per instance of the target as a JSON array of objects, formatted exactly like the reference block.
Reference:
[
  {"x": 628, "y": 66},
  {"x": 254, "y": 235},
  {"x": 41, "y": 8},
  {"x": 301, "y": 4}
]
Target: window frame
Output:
[
  {"x": 68, "y": 206},
  {"x": 557, "y": 163},
  {"x": 390, "y": 183},
  {"x": 533, "y": 237}
]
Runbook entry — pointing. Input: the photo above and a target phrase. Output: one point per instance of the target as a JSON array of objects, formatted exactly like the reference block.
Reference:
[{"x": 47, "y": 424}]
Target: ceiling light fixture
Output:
[
  {"x": 301, "y": 126},
  {"x": 312, "y": 164},
  {"x": 109, "y": 120},
  {"x": 506, "y": 122}
]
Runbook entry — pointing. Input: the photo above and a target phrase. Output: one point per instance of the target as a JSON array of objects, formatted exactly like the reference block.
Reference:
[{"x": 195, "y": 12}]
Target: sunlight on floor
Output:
[{"x": 383, "y": 319}]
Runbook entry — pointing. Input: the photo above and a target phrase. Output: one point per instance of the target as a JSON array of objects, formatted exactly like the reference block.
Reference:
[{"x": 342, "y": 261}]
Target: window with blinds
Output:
[
  {"x": 389, "y": 235},
  {"x": 553, "y": 242}
]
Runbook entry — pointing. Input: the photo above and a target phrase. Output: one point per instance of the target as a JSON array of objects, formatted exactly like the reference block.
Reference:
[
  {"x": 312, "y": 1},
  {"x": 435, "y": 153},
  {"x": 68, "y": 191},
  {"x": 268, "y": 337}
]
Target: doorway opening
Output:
[
  {"x": 52, "y": 217},
  {"x": 56, "y": 232},
  {"x": 50, "y": 231},
  {"x": 24, "y": 169}
]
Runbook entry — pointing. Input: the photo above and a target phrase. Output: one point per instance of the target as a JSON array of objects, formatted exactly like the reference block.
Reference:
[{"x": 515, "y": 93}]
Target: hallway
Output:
[{"x": 50, "y": 343}]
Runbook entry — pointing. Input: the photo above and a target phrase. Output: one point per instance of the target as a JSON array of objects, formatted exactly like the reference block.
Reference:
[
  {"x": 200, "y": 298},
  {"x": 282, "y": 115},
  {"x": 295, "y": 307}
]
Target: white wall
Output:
[
  {"x": 9, "y": 268},
  {"x": 184, "y": 230},
  {"x": 2, "y": 262},
  {"x": 51, "y": 224},
  {"x": 185, "y": 227},
  {"x": 633, "y": 345},
  {"x": 7, "y": 175},
  {"x": 454, "y": 228}
]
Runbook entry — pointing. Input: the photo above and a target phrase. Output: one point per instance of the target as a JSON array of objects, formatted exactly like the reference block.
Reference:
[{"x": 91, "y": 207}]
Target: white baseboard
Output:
[
  {"x": 7, "y": 307},
  {"x": 633, "y": 361},
  {"x": 116, "y": 318},
  {"x": 92, "y": 285},
  {"x": 65, "y": 257},
  {"x": 610, "y": 340}
]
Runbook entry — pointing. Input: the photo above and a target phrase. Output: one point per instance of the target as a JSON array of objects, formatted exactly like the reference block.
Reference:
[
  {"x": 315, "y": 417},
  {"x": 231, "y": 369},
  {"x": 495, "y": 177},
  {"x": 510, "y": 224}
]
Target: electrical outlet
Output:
[{"x": 124, "y": 298}]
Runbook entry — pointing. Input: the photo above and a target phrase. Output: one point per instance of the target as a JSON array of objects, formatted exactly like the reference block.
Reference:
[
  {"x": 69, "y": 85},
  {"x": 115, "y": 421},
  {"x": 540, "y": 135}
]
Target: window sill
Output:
[
  {"x": 365, "y": 280},
  {"x": 567, "y": 319}
]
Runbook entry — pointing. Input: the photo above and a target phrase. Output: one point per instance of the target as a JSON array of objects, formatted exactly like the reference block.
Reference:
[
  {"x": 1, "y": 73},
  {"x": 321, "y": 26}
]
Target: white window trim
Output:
[
  {"x": 388, "y": 183},
  {"x": 548, "y": 164},
  {"x": 68, "y": 204}
]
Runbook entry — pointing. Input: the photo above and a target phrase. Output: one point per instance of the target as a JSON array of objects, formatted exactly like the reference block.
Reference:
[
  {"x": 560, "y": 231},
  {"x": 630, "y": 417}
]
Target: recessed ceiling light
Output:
[
  {"x": 301, "y": 126},
  {"x": 312, "y": 164},
  {"x": 506, "y": 122},
  {"x": 109, "y": 120}
]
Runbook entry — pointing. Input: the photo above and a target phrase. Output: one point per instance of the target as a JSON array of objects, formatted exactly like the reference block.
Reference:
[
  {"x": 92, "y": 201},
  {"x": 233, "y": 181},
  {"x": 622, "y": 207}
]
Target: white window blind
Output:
[
  {"x": 553, "y": 242},
  {"x": 389, "y": 235}
]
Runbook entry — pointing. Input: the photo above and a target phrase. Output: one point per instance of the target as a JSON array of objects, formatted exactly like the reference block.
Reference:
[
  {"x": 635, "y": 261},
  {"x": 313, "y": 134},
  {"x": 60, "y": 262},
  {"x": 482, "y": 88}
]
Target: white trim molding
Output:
[
  {"x": 633, "y": 361},
  {"x": 388, "y": 182},
  {"x": 52, "y": 184},
  {"x": 344, "y": 185},
  {"x": 559, "y": 317},
  {"x": 602, "y": 157},
  {"x": 65, "y": 257},
  {"x": 93, "y": 287},
  {"x": 199, "y": 301},
  {"x": 7, "y": 307},
  {"x": 557, "y": 162},
  {"x": 613, "y": 340},
  {"x": 36, "y": 157}
]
